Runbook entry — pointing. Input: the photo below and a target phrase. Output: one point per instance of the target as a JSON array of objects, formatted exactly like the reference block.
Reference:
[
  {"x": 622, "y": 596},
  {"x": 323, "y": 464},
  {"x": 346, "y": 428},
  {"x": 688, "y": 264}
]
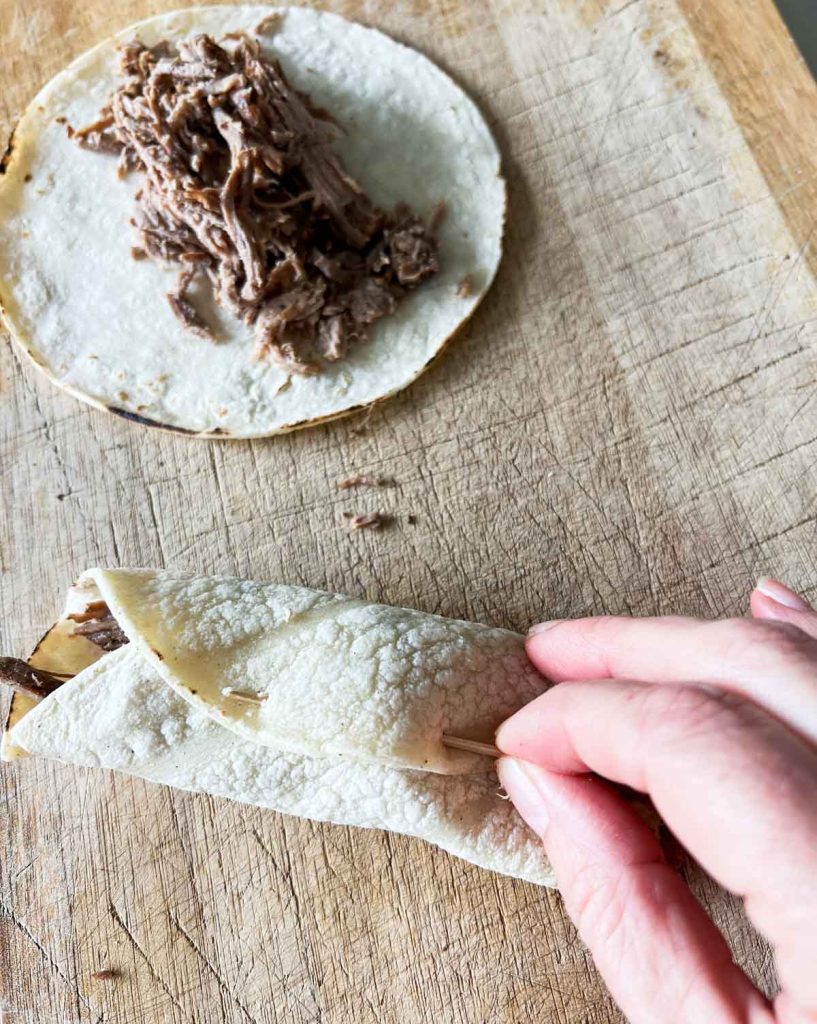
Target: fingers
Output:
[
  {"x": 773, "y": 601},
  {"x": 660, "y": 955},
  {"x": 771, "y": 663},
  {"x": 781, "y": 594},
  {"x": 735, "y": 785}
]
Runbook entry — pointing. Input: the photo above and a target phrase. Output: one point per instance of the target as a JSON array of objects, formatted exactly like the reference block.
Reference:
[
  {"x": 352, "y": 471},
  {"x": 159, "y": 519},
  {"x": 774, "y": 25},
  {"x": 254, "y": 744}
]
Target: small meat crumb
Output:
[
  {"x": 106, "y": 974},
  {"x": 465, "y": 287},
  {"x": 363, "y": 423},
  {"x": 28, "y": 178},
  {"x": 368, "y": 521},
  {"x": 363, "y": 480},
  {"x": 269, "y": 26}
]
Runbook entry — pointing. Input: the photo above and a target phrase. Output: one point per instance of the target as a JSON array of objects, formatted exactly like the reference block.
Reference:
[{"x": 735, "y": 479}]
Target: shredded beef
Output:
[
  {"x": 242, "y": 187},
  {"x": 466, "y": 287},
  {"x": 35, "y": 682},
  {"x": 184, "y": 308},
  {"x": 100, "y": 627},
  {"x": 363, "y": 480},
  {"x": 95, "y": 623},
  {"x": 368, "y": 521}
]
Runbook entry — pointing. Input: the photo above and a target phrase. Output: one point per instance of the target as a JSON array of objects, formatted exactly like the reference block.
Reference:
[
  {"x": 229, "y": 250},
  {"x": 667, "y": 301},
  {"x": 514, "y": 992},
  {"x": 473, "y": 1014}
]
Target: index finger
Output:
[
  {"x": 771, "y": 663},
  {"x": 734, "y": 784}
]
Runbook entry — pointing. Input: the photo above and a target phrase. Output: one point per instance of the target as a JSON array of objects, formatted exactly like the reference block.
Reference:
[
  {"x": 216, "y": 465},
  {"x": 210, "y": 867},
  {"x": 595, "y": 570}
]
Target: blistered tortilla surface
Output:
[{"x": 334, "y": 674}]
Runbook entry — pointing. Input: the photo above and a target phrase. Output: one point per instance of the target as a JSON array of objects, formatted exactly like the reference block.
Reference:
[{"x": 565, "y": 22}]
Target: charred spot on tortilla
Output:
[
  {"x": 134, "y": 417},
  {"x": 243, "y": 191},
  {"x": 8, "y": 153},
  {"x": 41, "y": 641}
]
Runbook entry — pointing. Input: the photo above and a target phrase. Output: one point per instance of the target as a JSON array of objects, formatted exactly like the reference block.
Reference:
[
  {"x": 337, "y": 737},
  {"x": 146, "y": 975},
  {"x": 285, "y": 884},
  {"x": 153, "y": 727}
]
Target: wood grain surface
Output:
[{"x": 628, "y": 425}]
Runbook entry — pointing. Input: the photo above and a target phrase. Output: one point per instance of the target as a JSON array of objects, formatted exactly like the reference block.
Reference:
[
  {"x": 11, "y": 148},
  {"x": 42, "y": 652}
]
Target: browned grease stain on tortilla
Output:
[
  {"x": 158, "y": 654},
  {"x": 589, "y": 12},
  {"x": 39, "y": 643},
  {"x": 450, "y": 18}
]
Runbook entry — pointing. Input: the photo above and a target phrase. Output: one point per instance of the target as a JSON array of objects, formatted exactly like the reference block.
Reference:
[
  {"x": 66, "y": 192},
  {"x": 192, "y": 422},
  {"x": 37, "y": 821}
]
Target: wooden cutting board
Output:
[{"x": 628, "y": 425}]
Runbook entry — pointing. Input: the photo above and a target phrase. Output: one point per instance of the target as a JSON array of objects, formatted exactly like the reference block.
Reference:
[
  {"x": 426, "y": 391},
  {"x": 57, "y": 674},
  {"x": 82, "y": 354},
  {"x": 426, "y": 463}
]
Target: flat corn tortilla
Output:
[
  {"x": 98, "y": 323},
  {"x": 121, "y": 712}
]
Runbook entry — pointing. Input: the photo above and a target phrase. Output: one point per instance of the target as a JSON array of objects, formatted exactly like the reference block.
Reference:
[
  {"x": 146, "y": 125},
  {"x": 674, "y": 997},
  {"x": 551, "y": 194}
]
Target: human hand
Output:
[{"x": 717, "y": 722}]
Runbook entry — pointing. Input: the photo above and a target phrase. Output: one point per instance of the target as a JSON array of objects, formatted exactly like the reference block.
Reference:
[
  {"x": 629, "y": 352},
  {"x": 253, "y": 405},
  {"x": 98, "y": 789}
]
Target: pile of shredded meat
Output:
[{"x": 242, "y": 186}]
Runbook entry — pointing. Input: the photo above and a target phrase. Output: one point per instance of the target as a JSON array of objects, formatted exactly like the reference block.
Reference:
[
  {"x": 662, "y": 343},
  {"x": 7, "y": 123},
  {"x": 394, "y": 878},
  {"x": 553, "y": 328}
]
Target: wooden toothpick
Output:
[
  {"x": 472, "y": 746},
  {"x": 243, "y": 696}
]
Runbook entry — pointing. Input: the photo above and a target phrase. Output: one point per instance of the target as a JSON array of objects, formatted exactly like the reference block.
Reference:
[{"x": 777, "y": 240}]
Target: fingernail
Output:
[
  {"x": 782, "y": 594},
  {"x": 543, "y": 627},
  {"x": 518, "y": 779}
]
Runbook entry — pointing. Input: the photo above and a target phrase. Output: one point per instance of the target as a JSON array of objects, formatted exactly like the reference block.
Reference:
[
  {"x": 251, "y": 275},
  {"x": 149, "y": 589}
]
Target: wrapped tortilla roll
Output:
[{"x": 308, "y": 703}]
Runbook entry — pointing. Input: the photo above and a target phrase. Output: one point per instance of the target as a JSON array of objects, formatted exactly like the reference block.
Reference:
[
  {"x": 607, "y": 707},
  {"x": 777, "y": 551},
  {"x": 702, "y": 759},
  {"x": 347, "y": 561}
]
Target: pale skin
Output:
[{"x": 717, "y": 722}]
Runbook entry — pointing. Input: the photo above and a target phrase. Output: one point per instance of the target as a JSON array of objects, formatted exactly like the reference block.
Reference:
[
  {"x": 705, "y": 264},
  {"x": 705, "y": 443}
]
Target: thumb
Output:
[
  {"x": 774, "y": 601},
  {"x": 660, "y": 955}
]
